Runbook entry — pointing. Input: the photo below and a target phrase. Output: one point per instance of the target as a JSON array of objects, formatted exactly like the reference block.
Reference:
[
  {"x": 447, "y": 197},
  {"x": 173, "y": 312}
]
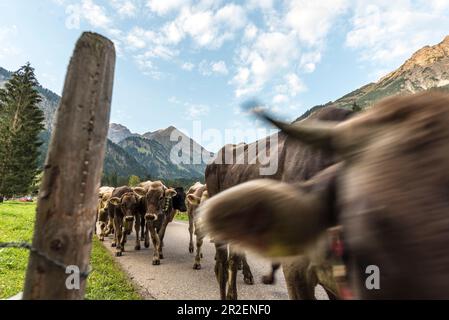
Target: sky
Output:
[{"x": 194, "y": 63}]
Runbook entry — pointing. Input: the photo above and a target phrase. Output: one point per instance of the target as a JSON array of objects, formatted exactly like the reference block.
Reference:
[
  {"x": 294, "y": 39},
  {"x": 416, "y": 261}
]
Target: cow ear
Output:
[
  {"x": 273, "y": 218},
  {"x": 193, "y": 200},
  {"x": 140, "y": 192},
  {"x": 115, "y": 201},
  {"x": 170, "y": 193}
]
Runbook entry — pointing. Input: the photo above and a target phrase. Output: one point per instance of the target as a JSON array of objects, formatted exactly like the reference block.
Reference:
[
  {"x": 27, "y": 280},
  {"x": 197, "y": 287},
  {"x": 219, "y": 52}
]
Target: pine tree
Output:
[
  {"x": 133, "y": 181},
  {"x": 21, "y": 121}
]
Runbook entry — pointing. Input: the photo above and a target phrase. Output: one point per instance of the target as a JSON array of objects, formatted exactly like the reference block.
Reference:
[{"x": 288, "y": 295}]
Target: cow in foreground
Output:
[
  {"x": 123, "y": 209},
  {"x": 196, "y": 195},
  {"x": 295, "y": 162},
  {"x": 155, "y": 200},
  {"x": 389, "y": 193}
]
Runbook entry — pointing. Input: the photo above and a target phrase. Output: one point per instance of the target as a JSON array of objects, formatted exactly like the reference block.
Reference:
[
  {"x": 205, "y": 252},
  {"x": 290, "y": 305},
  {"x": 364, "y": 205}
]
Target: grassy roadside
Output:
[
  {"x": 182, "y": 216},
  {"x": 107, "y": 281}
]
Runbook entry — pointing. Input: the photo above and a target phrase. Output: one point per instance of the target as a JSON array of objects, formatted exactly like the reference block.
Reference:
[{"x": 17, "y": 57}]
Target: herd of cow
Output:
[{"x": 380, "y": 177}]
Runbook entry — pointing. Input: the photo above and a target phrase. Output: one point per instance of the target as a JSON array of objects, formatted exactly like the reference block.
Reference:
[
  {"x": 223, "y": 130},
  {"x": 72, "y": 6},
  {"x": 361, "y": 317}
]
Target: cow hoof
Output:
[
  {"x": 101, "y": 239},
  {"x": 113, "y": 245},
  {"x": 191, "y": 249},
  {"x": 231, "y": 296},
  {"x": 196, "y": 266},
  {"x": 201, "y": 255},
  {"x": 147, "y": 245},
  {"x": 161, "y": 256},
  {"x": 156, "y": 262},
  {"x": 248, "y": 280},
  {"x": 137, "y": 248},
  {"x": 268, "y": 280},
  {"x": 118, "y": 254}
]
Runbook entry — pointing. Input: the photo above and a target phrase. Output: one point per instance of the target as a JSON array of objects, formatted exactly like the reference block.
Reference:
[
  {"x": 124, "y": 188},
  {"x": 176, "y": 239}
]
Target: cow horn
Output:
[{"x": 320, "y": 134}]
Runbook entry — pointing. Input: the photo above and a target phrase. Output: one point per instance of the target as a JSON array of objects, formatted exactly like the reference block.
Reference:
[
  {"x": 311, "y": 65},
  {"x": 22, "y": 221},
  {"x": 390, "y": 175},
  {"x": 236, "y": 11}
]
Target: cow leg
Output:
[
  {"x": 142, "y": 228},
  {"x": 161, "y": 234},
  {"x": 297, "y": 279},
  {"x": 118, "y": 236},
  {"x": 199, "y": 243},
  {"x": 137, "y": 228},
  {"x": 102, "y": 230},
  {"x": 247, "y": 275},
  {"x": 123, "y": 238},
  {"x": 169, "y": 218},
  {"x": 270, "y": 278},
  {"x": 190, "y": 214},
  {"x": 234, "y": 260},
  {"x": 156, "y": 243},
  {"x": 221, "y": 267}
]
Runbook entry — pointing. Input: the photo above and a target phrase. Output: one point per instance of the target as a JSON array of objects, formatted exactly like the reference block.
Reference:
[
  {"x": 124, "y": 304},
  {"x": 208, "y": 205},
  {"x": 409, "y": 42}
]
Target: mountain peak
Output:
[
  {"x": 118, "y": 132},
  {"x": 424, "y": 57},
  {"x": 117, "y": 126}
]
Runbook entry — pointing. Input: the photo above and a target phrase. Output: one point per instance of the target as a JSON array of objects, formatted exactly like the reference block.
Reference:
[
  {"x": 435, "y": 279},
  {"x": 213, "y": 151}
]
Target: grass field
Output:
[{"x": 106, "y": 282}]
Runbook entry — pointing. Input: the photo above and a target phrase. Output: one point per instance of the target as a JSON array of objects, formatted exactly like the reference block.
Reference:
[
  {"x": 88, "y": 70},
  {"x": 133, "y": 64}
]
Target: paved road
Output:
[{"x": 175, "y": 278}]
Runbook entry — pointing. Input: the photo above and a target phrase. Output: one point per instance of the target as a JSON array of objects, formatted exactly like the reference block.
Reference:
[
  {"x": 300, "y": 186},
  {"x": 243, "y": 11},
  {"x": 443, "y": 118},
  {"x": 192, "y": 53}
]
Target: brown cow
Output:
[
  {"x": 123, "y": 208},
  {"x": 295, "y": 162},
  {"x": 155, "y": 202},
  {"x": 104, "y": 194},
  {"x": 196, "y": 195},
  {"x": 390, "y": 194}
]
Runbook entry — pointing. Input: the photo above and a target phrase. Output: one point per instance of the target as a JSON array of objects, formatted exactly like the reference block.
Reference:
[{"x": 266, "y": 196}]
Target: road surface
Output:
[{"x": 175, "y": 278}]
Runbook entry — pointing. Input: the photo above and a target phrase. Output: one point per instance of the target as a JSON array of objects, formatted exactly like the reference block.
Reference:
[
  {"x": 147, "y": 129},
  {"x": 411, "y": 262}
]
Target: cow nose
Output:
[{"x": 151, "y": 217}]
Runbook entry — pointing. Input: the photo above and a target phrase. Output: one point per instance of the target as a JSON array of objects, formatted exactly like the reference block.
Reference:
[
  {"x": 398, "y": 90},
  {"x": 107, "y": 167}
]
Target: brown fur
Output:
[
  {"x": 105, "y": 224},
  {"x": 296, "y": 162},
  {"x": 153, "y": 201},
  {"x": 390, "y": 195},
  {"x": 196, "y": 195}
]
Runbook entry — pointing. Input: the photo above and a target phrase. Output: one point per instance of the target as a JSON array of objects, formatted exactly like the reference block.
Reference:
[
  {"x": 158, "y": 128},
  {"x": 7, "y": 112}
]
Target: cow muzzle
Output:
[{"x": 150, "y": 217}]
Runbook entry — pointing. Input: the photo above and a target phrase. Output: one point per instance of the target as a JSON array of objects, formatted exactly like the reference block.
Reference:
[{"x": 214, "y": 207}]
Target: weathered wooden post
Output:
[{"x": 68, "y": 194}]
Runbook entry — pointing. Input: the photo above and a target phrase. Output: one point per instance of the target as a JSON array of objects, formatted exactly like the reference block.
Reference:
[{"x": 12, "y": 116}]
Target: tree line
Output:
[{"x": 113, "y": 180}]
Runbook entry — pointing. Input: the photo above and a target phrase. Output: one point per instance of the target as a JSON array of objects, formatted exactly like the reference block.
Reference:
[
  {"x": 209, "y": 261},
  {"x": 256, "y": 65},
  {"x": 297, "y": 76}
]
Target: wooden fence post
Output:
[{"x": 68, "y": 194}]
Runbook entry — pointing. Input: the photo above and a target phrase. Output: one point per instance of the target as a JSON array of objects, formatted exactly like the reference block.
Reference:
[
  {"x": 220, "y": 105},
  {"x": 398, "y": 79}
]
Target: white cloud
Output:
[
  {"x": 214, "y": 67},
  {"x": 162, "y": 7},
  {"x": 231, "y": 15},
  {"x": 196, "y": 111},
  {"x": 95, "y": 14},
  {"x": 125, "y": 8},
  {"x": 280, "y": 99},
  {"x": 220, "y": 67},
  {"x": 295, "y": 85},
  {"x": 250, "y": 32},
  {"x": 312, "y": 20},
  {"x": 7, "y": 49},
  {"x": 188, "y": 66},
  {"x": 269, "y": 55},
  {"x": 390, "y": 31}
]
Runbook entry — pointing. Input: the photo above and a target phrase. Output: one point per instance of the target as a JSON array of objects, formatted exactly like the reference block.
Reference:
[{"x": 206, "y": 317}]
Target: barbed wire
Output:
[{"x": 28, "y": 246}]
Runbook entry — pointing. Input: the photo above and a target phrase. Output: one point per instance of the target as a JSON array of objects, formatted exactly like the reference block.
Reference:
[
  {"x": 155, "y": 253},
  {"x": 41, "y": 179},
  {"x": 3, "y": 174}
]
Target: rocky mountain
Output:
[
  {"x": 425, "y": 69},
  {"x": 118, "y": 132},
  {"x": 153, "y": 150},
  {"x": 49, "y": 103}
]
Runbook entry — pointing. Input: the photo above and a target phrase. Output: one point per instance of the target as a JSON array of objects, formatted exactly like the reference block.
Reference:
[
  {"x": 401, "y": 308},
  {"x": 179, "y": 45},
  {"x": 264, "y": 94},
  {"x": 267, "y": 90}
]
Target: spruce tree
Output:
[{"x": 21, "y": 121}]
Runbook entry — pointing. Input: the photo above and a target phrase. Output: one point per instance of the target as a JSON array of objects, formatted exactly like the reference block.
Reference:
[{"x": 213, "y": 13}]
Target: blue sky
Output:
[{"x": 181, "y": 61}]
